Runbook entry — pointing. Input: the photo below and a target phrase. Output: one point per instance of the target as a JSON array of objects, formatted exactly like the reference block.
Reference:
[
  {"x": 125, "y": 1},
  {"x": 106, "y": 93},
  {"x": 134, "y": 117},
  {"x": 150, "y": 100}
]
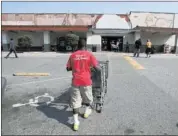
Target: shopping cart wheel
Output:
[{"x": 98, "y": 108}]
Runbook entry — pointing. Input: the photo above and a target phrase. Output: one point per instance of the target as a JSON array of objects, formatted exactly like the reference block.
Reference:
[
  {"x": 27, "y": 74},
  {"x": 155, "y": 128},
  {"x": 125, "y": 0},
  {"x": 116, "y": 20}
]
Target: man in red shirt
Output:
[{"x": 80, "y": 63}]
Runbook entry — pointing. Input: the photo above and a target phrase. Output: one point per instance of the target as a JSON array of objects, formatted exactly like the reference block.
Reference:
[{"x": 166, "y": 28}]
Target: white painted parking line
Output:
[{"x": 40, "y": 81}]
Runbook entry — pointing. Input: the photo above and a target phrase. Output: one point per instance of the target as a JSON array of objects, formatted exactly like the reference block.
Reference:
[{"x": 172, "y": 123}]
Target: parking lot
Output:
[{"x": 139, "y": 101}]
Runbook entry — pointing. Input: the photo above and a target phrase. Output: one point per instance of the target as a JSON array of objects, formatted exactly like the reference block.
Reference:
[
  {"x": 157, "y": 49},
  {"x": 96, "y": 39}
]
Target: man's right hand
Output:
[
  {"x": 68, "y": 69},
  {"x": 97, "y": 68}
]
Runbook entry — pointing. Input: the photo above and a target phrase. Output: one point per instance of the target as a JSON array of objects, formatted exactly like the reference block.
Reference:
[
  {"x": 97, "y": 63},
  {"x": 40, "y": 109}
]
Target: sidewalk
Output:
[
  {"x": 47, "y": 54},
  {"x": 35, "y": 54},
  {"x": 159, "y": 55},
  {"x": 55, "y": 54}
]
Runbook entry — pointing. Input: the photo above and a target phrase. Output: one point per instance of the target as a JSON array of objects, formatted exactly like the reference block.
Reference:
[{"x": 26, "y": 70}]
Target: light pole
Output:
[{"x": 176, "y": 45}]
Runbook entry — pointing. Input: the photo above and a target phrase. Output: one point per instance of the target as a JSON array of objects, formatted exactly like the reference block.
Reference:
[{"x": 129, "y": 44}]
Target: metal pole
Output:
[
  {"x": 176, "y": 37},
  {"x": 176, "y": 44}
]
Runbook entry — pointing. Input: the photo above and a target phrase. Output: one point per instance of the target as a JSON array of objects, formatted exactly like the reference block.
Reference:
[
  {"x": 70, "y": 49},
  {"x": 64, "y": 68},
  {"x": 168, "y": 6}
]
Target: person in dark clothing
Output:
[
  {"x": 12, "y": 49},
  {"x": 138, "y": 43},
  {"x": 127, "y": 47}
]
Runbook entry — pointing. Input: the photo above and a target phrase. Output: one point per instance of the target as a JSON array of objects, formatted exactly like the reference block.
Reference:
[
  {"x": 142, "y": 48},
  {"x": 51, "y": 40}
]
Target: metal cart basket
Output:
[{"x": 99, "y": 86}]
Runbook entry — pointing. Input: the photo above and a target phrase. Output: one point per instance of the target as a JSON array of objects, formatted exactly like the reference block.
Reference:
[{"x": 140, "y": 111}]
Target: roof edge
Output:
[{"x": 152, "y": 12}]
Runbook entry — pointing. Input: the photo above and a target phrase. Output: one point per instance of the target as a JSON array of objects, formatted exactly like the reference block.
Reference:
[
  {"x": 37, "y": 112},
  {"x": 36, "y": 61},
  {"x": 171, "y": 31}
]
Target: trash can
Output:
[{"x": 93, "y": 48}]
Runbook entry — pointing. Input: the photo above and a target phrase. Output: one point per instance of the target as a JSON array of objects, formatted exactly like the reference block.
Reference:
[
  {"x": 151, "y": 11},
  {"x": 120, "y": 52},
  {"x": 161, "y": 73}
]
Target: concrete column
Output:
[
  {"x": 137, "y": 36},
  {"x": 176, "y": 43},
  {"x": 88, "y": 41},
  {"x": 88, "y": 35},
  {"x": 93, "y": 39},
  {"x": 5, "y": 41},
  {"x": 46, "y": 35}
]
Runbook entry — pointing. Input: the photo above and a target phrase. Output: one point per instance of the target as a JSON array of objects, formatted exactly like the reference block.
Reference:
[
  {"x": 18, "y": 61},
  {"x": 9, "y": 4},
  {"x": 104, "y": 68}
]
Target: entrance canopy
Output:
[
  {"x": 112, "y": 32},
  {"x": 157, "y": 29}
]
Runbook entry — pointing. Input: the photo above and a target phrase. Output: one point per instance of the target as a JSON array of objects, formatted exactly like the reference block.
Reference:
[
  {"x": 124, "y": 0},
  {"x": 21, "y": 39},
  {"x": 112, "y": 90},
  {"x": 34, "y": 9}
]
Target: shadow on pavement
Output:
[
  {"x": 10, "y": 57},
  {"x": 58, "y": 108}
]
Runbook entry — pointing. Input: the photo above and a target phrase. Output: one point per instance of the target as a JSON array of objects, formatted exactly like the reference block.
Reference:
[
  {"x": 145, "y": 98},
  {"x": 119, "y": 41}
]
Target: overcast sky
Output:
[{"x": 88, "y": 7}]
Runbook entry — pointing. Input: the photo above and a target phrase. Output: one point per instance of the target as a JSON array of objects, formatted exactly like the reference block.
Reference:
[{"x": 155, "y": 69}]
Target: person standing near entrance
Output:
[
  {"x": 138, "y": 44},
  {"x": 118, "y": 45},
  {"x": 80, "y": 63},
  {"x": 12, "y": 49},
  {"x": 148, "y": 48}
]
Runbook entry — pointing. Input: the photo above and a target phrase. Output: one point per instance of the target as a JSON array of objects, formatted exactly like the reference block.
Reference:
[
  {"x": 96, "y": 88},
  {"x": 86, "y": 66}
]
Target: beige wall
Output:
[
  {"x": 93, "y": 39},
  {"x": 151, "y": 19},
  {"x": 48, "y": 19},
  {"x": 130, "y": 38},
  {"x": 106, "y": 21},
  {"x": 176, "y": 21},
  {"x": 158, "y": 38}
]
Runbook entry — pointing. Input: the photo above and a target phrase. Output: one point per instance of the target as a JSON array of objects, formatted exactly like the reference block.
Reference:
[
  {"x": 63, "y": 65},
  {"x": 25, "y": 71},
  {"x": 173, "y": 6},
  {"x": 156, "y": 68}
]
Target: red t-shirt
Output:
[{"x": 81, "y": 61}]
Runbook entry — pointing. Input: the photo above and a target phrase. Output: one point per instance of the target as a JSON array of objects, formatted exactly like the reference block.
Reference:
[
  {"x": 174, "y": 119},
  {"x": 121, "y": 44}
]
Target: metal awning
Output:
[
  {"x": 112, "y": 31},
  {"x": 45, "y": 28},
  {"x": 157, "y": 29}
]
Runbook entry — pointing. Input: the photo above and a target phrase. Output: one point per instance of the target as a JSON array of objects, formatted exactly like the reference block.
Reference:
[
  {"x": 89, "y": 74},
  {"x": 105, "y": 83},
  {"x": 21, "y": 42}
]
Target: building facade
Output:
[{"x": 44, "y": 29}]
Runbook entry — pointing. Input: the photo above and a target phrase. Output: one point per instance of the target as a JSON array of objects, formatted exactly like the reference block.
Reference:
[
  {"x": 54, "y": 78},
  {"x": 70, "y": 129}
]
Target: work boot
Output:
[
  {"x": 76, "y": 122},
  {"x": 88, "y": 111}
]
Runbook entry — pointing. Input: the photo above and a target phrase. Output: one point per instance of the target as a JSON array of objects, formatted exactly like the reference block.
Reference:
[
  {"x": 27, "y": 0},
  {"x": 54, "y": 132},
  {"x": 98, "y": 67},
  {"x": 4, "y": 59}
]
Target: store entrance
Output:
[{"x": 108, "y": 40}]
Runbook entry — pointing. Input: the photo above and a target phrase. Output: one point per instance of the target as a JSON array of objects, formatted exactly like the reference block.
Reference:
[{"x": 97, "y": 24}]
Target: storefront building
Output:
[{"x": 46, "y": 29}]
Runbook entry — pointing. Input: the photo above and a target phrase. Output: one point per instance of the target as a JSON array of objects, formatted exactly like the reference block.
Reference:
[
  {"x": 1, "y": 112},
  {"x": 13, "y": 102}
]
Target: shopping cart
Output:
[{"x": 99, "y": 85}]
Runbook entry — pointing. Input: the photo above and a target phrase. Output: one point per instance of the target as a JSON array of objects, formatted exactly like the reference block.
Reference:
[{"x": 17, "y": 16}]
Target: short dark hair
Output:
[
  {"x": 11, "y": 39},
  {"x": 81, "y": 43}
]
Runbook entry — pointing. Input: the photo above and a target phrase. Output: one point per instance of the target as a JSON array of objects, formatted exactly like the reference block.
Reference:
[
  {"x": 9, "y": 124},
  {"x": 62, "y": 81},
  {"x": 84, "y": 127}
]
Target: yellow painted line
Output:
[
  {"x": 35, "y": 54},
  {"x": 134, "y": 63},
  {"x": 31, "y": 74}
]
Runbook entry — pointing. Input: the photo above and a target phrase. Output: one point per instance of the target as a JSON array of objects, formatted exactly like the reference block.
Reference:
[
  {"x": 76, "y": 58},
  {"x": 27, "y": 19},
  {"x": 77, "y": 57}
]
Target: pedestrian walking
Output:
[
  {"x": 148, "y": 48},
  {"x": 80, "y": 63},
  {"x": 138, "y": 44},
  {"x": 12, "y": 49}
]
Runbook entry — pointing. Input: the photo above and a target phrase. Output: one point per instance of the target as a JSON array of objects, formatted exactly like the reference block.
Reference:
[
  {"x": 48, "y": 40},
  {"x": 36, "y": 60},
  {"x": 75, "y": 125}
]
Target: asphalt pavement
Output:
[{"x": 142, "y": 102}]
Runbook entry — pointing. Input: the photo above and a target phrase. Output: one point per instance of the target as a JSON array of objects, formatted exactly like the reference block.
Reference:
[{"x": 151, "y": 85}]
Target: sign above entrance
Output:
[
  {"x": 113, "y": 21},
  {"x": 111, "y": 31}
]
